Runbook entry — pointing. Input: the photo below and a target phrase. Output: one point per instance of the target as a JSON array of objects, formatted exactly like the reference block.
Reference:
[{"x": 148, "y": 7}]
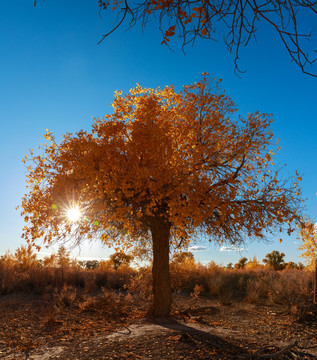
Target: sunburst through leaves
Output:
[{"x": 73, "y": 214}]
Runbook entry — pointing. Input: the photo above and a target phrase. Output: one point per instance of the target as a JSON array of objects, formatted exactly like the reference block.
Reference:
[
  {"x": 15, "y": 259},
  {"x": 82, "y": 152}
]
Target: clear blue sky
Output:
[{"x": 54, "y": 75}]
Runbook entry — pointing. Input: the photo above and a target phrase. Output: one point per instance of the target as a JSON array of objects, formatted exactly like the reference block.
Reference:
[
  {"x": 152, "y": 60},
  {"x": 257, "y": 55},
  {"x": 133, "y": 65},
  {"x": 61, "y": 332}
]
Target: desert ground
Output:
[{"x": 111, "y": 325}]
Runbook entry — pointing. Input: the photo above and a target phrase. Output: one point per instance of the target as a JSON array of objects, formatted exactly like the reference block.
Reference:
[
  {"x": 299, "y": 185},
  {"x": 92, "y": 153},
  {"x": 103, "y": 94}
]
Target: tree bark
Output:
[{"x": 162, "y": 292}]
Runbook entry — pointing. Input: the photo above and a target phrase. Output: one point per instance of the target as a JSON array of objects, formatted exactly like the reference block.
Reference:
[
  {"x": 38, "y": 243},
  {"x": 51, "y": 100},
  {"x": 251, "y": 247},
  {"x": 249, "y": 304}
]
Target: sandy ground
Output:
[{"x": 201, "y": 329}]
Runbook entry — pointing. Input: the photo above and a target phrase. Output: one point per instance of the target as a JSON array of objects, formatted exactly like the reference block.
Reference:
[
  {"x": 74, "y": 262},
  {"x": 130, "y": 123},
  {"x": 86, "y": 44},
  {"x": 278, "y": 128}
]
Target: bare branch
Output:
[
  {"x": 194, "y": 19},
  {"x": 125, "y": 10}
]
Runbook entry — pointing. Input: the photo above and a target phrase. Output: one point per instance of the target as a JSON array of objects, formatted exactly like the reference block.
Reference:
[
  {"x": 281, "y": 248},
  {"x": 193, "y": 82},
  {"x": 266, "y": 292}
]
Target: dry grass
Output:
[
  {"x": 73, "y": 303},
  {"x": 290, "y": 287}
]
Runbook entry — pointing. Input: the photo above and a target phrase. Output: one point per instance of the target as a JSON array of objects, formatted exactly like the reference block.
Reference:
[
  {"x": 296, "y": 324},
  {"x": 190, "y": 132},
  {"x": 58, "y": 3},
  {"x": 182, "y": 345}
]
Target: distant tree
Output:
[
  {"x": 90, "y": 264},
  {"x": 26, "y": 257},
  {"x": 163, "y": 165},
  {"x": 253, "y": 263},
  {"x": 50, "y": 261},
  {"x": 290, "y": 265},
  {"x": 119, "y": 258},
  {"x": 63, "y": 259},
  {"x": 275, "y": 260},
  {"x": 60, "y": 259},
  {"x": 229, "y": 266},
  {"x": 308, "y": 236},
  {"x": 301, "y": 266},
  {"x": 212, "y": 266},
  {"x": 183, "y": 257},
  {"x": 105, "y": 265},
  {"x": 7, "y": 260},
  {"x": 241, "y": 263},
  {"x": 293, "y": 265},
  {"x": 40, "y": 262}
]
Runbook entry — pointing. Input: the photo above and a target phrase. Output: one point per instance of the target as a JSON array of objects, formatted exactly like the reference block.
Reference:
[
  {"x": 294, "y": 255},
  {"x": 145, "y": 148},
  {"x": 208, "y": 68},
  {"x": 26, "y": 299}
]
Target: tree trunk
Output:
[{"x": 162, "y": 292}]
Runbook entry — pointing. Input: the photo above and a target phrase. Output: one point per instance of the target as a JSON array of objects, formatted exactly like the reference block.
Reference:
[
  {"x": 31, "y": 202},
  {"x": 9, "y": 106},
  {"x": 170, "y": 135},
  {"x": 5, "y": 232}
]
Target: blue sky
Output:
[{"x": 54, "y": 75}]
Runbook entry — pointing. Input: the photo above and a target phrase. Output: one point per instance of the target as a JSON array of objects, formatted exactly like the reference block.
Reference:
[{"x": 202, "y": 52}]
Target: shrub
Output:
[{"x": 253, "y": 291}]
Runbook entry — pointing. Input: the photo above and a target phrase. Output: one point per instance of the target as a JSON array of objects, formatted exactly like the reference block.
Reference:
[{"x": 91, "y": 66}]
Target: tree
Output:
[
  {"x": 89, "y": 264},
  {"x": 183, "y": 257},
  {"x": 275, "y": 260},
  {"x": 253, "y": 264},
  {"x": 241, "y": 263},
  {"x": 7, "y": 260},
  {"x": 26, "y": 257},
  {"x": 308, "y": 236},
  {"x": 238, "y": 20},
  {"x": 292, "y": 265},
  {"x": 119, "y": 258},
  {"x": 50, "y": 261},
  {"x": 63, "y": 259},
  {"x": 162, "y": 166},
  {"x": 300, "y": 266}
]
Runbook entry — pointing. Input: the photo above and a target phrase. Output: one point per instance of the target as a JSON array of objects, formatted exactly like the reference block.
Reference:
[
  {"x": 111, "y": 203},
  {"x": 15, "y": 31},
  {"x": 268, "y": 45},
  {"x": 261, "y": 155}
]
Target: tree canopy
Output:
[
  {"x": 161, "y": 166},
  {"x": 275, "y": 259},
  {"x": 241, "y": 263},
  {"x": 183, "y": 258},
  {"x": 120, "y": 258}
]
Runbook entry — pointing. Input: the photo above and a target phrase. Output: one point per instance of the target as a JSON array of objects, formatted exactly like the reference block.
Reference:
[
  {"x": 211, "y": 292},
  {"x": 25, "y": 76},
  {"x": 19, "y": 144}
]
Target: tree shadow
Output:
[{"x": 197, "y": 339}]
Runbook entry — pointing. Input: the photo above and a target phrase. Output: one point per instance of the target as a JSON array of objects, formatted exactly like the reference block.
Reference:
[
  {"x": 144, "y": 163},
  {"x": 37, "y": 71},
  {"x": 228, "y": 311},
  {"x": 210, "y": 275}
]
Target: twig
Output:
[
  {"x": 306, "y": 347},
  {"x": 265, "y": 356},
  {"x": 284, "y": 350},
  {"x": 128, "y": 333}
]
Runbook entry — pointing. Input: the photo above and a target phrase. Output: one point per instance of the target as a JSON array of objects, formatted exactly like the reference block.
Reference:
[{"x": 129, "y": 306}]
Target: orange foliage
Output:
[
  {"x": 308, "y": 235},
  {"x": 178, "y": 156}
]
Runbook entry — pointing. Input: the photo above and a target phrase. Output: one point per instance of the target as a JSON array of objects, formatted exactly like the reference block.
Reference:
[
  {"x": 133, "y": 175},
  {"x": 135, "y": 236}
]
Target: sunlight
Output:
[{"x": 73, "y": 214}]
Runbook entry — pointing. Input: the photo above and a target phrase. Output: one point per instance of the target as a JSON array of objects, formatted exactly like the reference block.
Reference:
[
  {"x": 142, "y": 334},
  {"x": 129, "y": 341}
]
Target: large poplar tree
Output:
[{"x": 161, "y": 166}]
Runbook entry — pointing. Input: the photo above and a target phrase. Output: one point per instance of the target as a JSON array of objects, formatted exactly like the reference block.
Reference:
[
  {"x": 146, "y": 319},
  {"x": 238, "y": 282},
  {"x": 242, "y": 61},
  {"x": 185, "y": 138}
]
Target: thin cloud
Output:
[
  {"x": 197, "y": 248},
  {"x": 231, "y": 248}
]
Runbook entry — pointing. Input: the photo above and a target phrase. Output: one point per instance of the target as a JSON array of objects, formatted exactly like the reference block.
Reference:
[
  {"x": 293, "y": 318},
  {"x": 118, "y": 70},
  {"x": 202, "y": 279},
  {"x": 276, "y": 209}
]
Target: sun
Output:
[{"x": 73, "y": 214}]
